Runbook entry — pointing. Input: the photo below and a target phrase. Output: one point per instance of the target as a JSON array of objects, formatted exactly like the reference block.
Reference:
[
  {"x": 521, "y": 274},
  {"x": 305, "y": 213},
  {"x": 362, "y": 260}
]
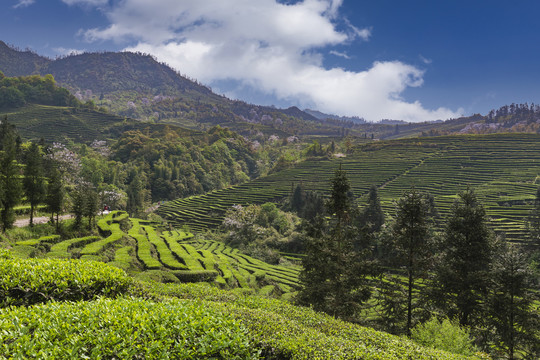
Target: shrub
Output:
[
  {"x": 444, "y": 335},
  {"x": 196, "y": 276},
  {"x": 31, "y": 281},
  {"x": 124, "y": 328}
]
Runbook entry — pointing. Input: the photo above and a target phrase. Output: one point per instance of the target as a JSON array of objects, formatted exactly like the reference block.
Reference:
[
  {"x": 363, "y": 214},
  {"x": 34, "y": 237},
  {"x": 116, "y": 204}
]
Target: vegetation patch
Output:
[{"x": 32, "y": 281}]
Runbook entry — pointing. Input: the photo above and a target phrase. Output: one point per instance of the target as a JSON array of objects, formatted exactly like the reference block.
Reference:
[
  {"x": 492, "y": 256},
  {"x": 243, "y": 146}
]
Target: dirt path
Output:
[{"x": 39, "y": 220}]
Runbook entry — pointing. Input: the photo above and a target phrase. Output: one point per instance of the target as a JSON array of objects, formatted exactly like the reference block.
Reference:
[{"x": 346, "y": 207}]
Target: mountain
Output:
[
  {"x": 322, "y": 116},
  {"x": 136, "y": 85},
  {"x": 15, "y": 62}
]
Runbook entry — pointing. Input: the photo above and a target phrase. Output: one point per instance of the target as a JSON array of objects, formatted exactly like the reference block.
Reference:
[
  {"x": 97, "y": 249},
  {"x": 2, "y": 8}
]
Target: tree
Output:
[
  {"x": 334, "y": 275},
  {"x": 55, "y": 194},
  {"x": 462, "y": 275},
  {"x": 91, "y": 205},
  {"x": 533, "y": 221},
  {"x": 372, "y": 214},
  {"x": 410, "y": 234},
  {"x": 9, "y": 174},
  {"x": 135, "y": 193},
  {"x": 339, "y": 203},
  {"x": 79, "y": 204},
  {"x": 513, "y": 314},
  {"x": 33, "y": 182}
]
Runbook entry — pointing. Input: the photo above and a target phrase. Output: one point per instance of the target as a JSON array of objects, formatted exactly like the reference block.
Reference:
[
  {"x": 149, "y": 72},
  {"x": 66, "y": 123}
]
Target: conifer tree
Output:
[
  {"x": 79, "y": 205},
  {"x": 9, "y": 174},
  {"x": 533, "y": 221},
  {"x": 372, "y": 215},
  {"x": 55, "y": 194},
  {"x": 33, "y": 182},
  {"x": 334, "y": 275},
  {"x": 411, "y": 240},
  {"x": 135, "y": 193},
  {"x": 91, "y": 205},
  {"x": 513, "y": 313},
  {"x": 462, "y": 276}
]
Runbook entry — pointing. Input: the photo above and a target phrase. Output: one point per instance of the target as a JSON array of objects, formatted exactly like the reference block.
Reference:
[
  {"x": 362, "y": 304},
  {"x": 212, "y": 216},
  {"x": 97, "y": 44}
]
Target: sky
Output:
[{"x": 414, "y": 60}]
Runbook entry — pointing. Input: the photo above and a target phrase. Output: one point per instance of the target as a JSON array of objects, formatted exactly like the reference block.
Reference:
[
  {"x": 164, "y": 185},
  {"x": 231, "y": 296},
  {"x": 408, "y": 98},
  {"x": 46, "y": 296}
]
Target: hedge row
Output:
[
  {"x": 284, "y": 331},
  {"x": 125, "y": 328},
  {"x": 31, "y": 281}
]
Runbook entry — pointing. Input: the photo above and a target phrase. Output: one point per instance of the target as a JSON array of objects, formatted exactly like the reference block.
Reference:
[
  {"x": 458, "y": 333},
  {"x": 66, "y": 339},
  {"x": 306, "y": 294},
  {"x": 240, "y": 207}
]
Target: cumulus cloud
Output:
[
  {"x": 274, "y": 47},
  {"x": 23, "y": 3}
]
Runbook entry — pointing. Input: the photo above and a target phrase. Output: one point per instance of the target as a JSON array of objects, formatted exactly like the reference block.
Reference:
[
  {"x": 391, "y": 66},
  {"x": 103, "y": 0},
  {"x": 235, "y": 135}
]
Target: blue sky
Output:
[{"x": 413, "y": 60}]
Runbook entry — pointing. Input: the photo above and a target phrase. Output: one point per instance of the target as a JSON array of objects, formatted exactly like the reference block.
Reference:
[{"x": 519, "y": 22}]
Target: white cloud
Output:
[
  {"x": 274, "y": 47},
  {"x": 340, "y": 54},
  {"x": 64, "y": 51},
  {"x": 23, "y": 3},
  {"x": 425, "y": 60},
  {"x": 86, "y": 2}
]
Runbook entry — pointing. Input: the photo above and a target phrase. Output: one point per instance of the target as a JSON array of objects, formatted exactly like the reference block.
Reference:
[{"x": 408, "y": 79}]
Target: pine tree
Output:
[
  {"x": 513, "y": 313},
  {"x": 372, "y": 215},
  {"x": 462, "y": 277},
  {"x": 91, "y": 205},
  {"x": 411, "y": 240},
  {"x": 9, "y": 174},
  {"x": 334, "y": 275},
  {"x": 533, "y": 221},
  {"x": 33, "y": 182},
  {"x": 79, "y": 204},
  {"x": 55, "y": 194},
  {"x": 135, "y": 193}
]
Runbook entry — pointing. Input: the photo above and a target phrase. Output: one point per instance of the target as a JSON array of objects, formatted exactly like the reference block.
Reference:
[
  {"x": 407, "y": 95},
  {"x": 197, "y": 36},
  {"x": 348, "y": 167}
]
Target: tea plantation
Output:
[
  {"x": 174, "y": 256},
  {"x": 113, "y": 316},
  {"x": 502, "y": 168}
]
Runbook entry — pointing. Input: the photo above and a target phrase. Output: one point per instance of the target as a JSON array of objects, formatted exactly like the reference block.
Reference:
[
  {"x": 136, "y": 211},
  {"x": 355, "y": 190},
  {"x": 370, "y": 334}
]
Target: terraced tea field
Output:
[
  {"x": 57, "y": 123},
  {"x": 502, "y": 168},
  {"x": 169, "y": 255}
]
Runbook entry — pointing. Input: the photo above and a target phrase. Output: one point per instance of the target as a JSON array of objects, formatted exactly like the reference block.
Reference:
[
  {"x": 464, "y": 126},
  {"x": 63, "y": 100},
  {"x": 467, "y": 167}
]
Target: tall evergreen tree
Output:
[
  {"x": 372, "y": 215},
  {"x": 533, "y": 220},
  {"x": 334, "y": 275},
  {"x": 9, "y": 174},
  {"x": 513, "y": 313},
  {"x": 33, "y": 182},
  {"x": 462, "y": 276},
  {"x": 78, "y": 204},
  {"x": 55, "y": 194},
  {"x": 91, "y": 205},
  {"x": 339, "y": 204},
  {"x": 411, "y": 239},
  {"x": 135, "y": 193}
]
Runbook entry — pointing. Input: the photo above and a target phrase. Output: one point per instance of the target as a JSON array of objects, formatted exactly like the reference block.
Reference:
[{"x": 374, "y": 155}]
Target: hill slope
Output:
[
  {"x": 503, "y": 168},
  {"x": 137, "y": 86}
]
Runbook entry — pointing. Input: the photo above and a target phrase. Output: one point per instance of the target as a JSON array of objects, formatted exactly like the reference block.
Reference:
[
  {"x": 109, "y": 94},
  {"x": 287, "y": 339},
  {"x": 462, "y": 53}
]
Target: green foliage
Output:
[
  {"x": 372, "y": 216},
  {"x": 444, "y": 335},
  {"x": 33, "y": 182},
  {"x": 124, "y": 329},
  {"x": 513, "y": 305},
  {"x": 283, "y": 331},
  {"x": 10, "y": 184},
  {"x": 32, "y": 281},
  {"x": 501, "y": 168},
  {"x": 411, "y": 243},
  {"x": 533, "y": 220},
  {"x": 334, "y": 274},
  {"x": 15, "y": 92},
  {"x": 463, "y": 273}
]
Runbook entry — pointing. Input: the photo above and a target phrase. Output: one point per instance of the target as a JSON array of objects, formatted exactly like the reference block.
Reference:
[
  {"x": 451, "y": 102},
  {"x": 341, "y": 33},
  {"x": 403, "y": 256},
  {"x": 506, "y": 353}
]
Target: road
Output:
[{"x": 38, "y": 220}]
